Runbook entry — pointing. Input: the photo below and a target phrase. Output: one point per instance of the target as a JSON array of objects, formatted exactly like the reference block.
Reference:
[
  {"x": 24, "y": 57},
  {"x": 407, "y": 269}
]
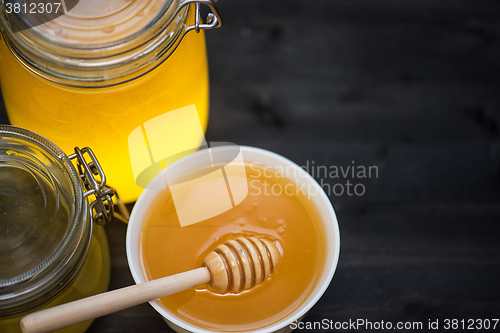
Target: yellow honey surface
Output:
[{"x": 166, "y": 249}]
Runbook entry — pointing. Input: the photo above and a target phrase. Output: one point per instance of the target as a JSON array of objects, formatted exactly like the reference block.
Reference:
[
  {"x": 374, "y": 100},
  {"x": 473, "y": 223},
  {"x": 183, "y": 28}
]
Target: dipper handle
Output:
[
  {"x": 237, "y": 265},
  {"x": 64, "y": 315}
]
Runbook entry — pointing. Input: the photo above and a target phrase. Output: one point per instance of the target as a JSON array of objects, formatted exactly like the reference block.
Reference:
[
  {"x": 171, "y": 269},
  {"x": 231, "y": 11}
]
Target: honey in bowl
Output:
[{"x": 274, "y": 208}]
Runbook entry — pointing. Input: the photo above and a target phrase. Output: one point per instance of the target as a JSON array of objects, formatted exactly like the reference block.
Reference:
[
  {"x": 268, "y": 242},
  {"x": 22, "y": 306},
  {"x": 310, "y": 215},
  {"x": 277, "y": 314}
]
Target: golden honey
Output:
[
  {"x": 51, "y": 252},
  {"x": 99, "y": 114},
  {"x": 274, "y": 208}
]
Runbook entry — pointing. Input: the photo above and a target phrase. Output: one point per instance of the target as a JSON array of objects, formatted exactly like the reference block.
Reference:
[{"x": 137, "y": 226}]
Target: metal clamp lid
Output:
[
  {"x": 78, "y": 58},
  {"x": 102, "y": 209}
]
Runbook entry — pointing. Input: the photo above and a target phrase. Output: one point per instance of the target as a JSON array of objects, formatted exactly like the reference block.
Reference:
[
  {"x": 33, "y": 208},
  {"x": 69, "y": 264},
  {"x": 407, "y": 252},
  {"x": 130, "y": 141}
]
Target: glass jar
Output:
[
  {"x": 51, "y": 251},
  {"x": 126, "y": 61}
]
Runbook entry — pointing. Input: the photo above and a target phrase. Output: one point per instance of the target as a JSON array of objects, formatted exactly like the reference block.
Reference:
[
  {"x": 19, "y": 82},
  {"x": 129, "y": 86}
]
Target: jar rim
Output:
[{"x": 56, "y": 267}]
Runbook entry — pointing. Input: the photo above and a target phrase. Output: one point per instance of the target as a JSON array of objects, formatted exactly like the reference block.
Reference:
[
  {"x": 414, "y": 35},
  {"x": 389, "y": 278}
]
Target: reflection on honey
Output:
[{"x": 166, "y": 249}]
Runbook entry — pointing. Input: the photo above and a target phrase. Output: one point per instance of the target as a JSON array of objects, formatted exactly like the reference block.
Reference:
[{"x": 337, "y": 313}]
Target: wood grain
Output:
[{"x": 411, "y": 87}]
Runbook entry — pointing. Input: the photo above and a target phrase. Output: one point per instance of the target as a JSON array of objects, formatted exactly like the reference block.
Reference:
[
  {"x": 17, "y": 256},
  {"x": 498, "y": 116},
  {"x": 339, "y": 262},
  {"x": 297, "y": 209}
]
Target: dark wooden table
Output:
[{"x": 412, "y": 87}]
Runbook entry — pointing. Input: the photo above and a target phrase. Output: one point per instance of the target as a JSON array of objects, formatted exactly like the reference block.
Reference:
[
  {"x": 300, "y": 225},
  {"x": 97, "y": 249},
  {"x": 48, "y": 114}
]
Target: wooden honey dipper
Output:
[{"x": 237, "y": 265}]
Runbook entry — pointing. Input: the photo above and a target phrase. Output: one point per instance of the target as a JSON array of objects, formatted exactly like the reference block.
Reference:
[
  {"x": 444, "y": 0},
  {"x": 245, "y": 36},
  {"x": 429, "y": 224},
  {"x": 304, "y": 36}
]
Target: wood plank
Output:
[{"x": 408, "y": 86}]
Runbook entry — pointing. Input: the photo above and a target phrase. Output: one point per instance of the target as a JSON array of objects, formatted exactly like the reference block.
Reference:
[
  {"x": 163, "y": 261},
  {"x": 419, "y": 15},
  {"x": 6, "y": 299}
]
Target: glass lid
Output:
[
  {"x": 40, "y": 210},
  {"x": 98, "y": 21},
  {"x": 95, "y": 43},
  {"x": 87, "y": 22}
]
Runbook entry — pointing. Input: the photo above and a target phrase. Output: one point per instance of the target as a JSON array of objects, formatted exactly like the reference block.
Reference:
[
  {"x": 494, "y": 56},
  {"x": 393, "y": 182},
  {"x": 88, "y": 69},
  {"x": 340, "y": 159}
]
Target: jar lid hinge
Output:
[{"x": 102, "y": 209}]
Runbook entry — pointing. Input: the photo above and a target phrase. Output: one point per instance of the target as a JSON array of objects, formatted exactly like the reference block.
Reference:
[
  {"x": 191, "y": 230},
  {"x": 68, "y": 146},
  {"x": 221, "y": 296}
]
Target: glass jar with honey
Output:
[
  {"x": 53, "y": 248},
  {"x": 126, "y": 61}
]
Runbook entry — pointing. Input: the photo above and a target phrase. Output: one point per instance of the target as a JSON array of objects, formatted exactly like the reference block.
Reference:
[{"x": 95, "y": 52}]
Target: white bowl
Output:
[{"x": 251, "y": 155}]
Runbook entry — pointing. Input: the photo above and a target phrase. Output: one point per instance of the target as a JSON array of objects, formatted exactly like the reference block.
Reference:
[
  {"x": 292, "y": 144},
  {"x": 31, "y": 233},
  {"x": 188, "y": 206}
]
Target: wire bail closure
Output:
[
  {"x": 102, "y": 208},
  {"x": 213, "y": 20}
]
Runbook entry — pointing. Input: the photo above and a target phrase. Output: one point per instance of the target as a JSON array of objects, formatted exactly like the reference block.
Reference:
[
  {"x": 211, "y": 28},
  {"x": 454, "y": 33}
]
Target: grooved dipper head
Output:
[{"x": 241, "y": 263}]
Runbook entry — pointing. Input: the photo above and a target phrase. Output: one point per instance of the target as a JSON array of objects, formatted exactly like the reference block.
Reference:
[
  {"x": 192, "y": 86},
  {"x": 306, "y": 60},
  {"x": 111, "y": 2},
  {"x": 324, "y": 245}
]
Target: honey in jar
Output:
[
  {"x": 94, "y": 74},
  {"x": 50, "y": 250},
  {"x": 274, "y": 208}
]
